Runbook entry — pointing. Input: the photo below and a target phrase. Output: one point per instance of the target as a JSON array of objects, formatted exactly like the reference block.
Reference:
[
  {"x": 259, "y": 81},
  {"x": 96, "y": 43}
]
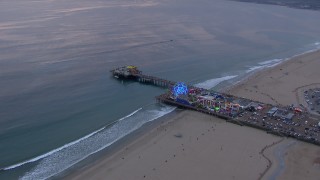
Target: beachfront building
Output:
[
  {"x": 254, "y": 106},
  {"x": 212, "y": 102},
  {"x": 243, "y": 103},
  {"x": 229, "y": 106},
  {"x": 209, "y": 101},
  {"x": 284, "y": 115},
  {"x": 272, "y": 111},
  {"x": 126, "y": 71}
]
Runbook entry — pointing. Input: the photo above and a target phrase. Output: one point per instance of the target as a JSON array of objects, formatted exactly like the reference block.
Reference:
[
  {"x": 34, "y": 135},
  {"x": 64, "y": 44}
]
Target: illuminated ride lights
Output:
[{"x": 179, "y": 89}]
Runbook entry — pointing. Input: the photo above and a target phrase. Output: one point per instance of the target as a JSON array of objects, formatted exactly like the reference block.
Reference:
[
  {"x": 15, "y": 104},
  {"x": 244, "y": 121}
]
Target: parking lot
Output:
[
  {"x": 300, "y": 126},
  {"x": 312, "y": 97}
]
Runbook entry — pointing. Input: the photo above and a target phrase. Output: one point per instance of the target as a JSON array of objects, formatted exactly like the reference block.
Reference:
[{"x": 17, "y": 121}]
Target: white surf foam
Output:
[
  {"x": 53, "y": 151},
  {"x": 64, "y": 146},
  {"x": 265, "y": 64},
  {"x": 131, "y": 114},
  {"x": 208, "y": 84},
  {"x": 314, "y": 47},
  {"x": 66, "y": 157},
  {"x": 271, "y": 63}
]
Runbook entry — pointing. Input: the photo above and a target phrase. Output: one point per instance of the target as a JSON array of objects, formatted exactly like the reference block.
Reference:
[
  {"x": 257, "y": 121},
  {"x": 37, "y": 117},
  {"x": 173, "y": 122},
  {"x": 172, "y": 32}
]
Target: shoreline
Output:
[
  {"x": 119, "y": 145},
  {"x": 163, "y": 130},
  {"x": 261, "y": 72},
  {"x": 59, "y": 96},
  {"x": 250, "y": 75},
  {"x": 108, "y": 153}
]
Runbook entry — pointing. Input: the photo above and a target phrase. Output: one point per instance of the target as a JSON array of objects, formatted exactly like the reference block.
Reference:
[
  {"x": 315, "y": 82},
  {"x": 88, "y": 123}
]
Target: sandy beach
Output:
[
  {"x": 189, "y": 146},
  {"x": 192, "y": 145},
  {"x": 285, "y": 84}
]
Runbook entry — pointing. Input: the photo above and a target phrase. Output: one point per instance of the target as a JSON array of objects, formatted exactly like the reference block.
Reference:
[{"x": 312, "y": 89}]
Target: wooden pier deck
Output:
[
  {"x": 137, "y": 75},
  {"x": 162, "y": 98},
  {"x": 154, "y": 81},
  {"x": 301, "y": 133}
]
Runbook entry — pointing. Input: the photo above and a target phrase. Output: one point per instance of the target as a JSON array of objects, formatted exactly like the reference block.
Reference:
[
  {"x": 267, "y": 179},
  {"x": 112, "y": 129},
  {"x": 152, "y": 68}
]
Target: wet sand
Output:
[{"x": 191, "y": 145}]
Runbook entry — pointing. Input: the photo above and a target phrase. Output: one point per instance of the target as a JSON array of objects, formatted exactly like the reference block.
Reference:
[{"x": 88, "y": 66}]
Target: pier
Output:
[
  {"x": 131, "y": 72},
  {"x": 285, "y": 121}
]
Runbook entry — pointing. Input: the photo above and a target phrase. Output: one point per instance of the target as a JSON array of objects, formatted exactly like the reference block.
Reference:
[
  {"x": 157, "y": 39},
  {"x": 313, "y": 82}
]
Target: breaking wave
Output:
[
  {"x": 208, "y": 84},
  {"x": 265, "y": 64},
  {"x": 60, "y": 159},
  {"x": 271, "y": 63},
  {"x": 64, "y": 146}
]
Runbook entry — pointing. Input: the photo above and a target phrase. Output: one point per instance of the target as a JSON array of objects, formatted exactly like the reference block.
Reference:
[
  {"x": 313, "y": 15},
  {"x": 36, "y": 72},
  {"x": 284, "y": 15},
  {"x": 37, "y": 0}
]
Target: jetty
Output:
[
  {"x": 280, "y": 120},
  {"x": 132, "y": 72}
]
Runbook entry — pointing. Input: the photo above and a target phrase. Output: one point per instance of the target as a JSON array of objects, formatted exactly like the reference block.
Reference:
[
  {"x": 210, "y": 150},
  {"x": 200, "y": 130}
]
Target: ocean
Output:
[{"x": 59, "y": 103}]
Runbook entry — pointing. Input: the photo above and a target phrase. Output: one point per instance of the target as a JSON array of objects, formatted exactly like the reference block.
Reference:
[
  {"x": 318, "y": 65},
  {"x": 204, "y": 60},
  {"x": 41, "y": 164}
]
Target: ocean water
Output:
[{"x": 58, "y": 101}]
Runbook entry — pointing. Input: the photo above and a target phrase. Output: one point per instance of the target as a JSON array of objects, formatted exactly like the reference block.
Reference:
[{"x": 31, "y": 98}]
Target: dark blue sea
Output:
[{"x": 59, "y": 103}]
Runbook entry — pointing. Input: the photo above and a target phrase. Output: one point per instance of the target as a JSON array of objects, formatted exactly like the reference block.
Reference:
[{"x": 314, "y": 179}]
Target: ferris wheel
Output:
[{"x": 180, "y": 89}]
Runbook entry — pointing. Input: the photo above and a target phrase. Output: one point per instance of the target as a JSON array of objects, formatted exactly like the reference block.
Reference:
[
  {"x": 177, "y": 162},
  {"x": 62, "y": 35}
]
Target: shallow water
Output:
[{"x": 55, "y": 59}]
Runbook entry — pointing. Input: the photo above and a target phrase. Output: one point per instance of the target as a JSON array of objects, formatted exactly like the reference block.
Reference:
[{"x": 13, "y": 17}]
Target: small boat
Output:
[{"x": 116, "y": 76}]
